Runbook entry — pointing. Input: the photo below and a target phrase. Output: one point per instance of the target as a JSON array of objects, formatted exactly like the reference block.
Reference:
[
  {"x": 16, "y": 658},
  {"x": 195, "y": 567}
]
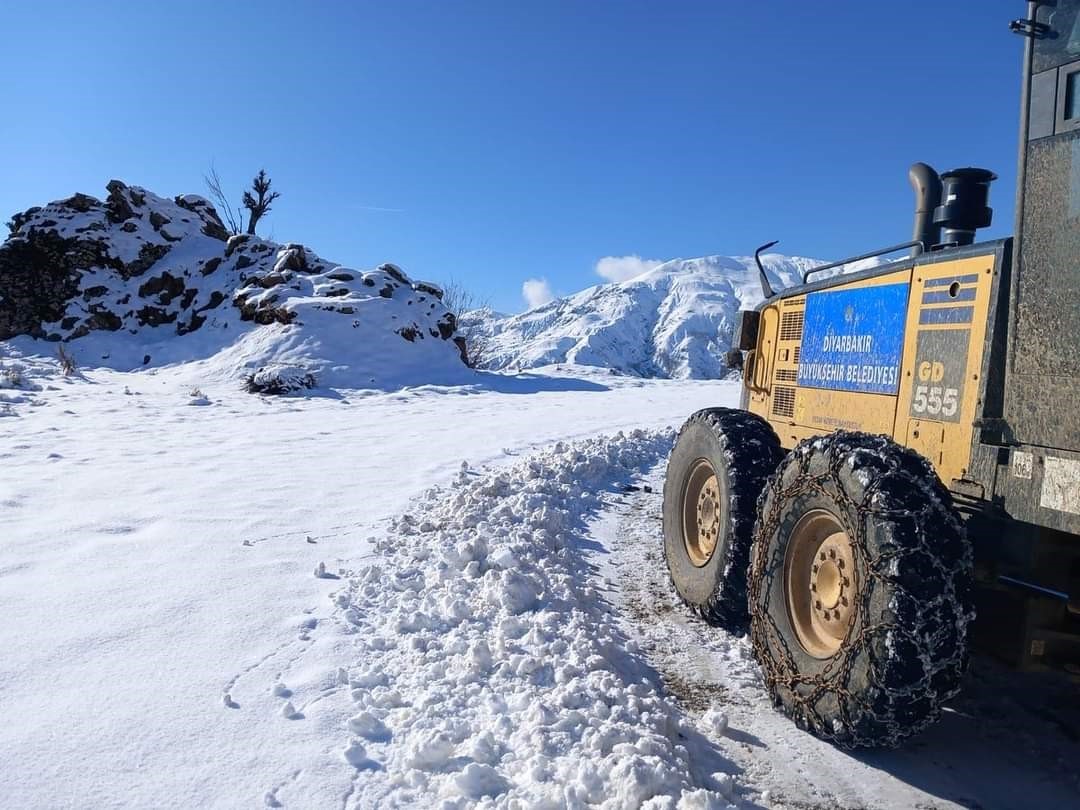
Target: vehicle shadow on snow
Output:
[
  {"x": 1010, "y": 739},
  {"x": 482, "y": 383},
  {"x": 527, "y": 383}
]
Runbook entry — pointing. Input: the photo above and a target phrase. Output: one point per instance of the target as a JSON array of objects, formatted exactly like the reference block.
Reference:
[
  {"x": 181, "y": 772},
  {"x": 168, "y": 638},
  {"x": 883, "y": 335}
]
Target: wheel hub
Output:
[
  {"x": 702, "y": 513},
  {"x": 819, "y": 583}
]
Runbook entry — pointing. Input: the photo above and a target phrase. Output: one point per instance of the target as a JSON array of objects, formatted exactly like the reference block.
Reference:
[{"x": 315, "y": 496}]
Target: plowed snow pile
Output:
[{"x": 491, "y": 670}]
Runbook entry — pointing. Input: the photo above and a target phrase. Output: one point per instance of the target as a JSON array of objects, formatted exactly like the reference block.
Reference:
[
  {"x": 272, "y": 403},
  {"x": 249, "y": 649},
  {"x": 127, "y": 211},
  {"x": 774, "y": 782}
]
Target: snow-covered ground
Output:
[{"x": 440, "y": 596}]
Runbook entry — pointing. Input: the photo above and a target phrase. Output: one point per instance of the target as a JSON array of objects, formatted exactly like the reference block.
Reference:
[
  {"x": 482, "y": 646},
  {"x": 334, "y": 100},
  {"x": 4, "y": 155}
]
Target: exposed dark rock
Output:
[
  {"x": 155, "y": 316},
  {"x": 447, "y": 325},
  {"x": 94, "y": 292},
  {"x": 395, "y": 272},
  {"x": 81, "y": 203},
  {"x": 212, "y": 224},
  {"x": 211, "y": 265},
  {"x": 148, "y": 256},
  {"x": 194, "y": 323},
  {"x": 118, "y": 203},
  {"x": 463, "y": 349},
  {"x": 166, "y": 287},
  {"x": 271, "y": 279},
  {"x": 431, "y": 289},
  {"x": 216, "y": 297},
  {"x": 18, "y": 220},
  {"x": 235, "y": 241},
  {"x": 292, "y": 258},
  {"x": 39, "y": 274}
]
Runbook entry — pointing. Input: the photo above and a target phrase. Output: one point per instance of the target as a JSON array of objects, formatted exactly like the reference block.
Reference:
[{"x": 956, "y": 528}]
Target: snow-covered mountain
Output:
[
  {"x": 675, "y": 321},
  {"x": 141, "y": 280}
]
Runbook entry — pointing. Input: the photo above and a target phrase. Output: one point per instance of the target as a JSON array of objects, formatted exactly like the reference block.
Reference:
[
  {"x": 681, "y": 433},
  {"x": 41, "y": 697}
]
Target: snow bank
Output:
[{"x": 491, "y": 670}]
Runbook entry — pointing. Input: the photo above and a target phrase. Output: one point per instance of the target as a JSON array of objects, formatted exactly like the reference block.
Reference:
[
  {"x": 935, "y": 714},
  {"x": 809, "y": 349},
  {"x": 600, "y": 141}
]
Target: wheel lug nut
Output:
[
  {"x": 846, "y": 582},
  {"x": 823, "y": 556},
  {"x": 843, "y": 601},
  {"x": 817, "y": 604},
  {"x": 815, "y": 569},
  {"x": 813, "y": 586},
  {"x": 832, "y": 553},
  {"x": 840, "y": 564}
]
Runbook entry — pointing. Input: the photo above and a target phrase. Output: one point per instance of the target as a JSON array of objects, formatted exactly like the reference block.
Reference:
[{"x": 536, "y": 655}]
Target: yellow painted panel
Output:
[
  {"x": 898, "y": 277},
  {"x": 939, "y": 383},
  {"x": 827, "y": 410},
  {"x": 942, "y": 429}
]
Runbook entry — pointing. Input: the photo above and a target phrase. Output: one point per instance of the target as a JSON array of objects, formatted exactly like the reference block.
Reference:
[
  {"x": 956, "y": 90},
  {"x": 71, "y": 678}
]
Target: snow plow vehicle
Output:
[{"x": 906, "y": 456}]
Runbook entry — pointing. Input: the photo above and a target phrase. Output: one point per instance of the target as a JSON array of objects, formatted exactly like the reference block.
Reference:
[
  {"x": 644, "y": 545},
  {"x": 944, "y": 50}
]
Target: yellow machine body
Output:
[{"x": 923, "y": 390}]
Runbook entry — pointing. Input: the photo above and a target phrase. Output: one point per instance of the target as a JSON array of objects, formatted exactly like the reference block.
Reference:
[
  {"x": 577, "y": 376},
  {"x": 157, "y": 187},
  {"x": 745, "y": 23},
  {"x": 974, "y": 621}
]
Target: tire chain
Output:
[
  {"x": 906, "y": 467},
  {"x": 740, "y": 433}
]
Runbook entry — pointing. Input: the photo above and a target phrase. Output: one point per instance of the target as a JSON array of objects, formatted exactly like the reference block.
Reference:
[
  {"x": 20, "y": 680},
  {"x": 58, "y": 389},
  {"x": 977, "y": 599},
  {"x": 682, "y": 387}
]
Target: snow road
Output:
[
  {"x": 264, "y": 603},
  {"x": 1007, "y": 741}
]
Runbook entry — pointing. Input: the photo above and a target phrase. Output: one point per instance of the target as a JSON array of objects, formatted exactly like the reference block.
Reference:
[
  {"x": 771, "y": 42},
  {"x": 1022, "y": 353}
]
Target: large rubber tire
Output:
[
  {"x": 743, "y": 451},
  {"x": 904, "y": 650}
]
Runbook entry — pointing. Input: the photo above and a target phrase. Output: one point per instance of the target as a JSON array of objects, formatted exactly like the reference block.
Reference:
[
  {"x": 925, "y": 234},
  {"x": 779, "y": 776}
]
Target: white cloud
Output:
[
  {"x": 620, "y": 268},
  {"x": 536, "y": 292}
]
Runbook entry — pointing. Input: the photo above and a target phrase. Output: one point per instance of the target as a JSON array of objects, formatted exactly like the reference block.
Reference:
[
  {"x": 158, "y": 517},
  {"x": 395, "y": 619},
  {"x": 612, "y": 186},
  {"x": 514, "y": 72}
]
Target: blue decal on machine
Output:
[{"x": 853, "y": 339}]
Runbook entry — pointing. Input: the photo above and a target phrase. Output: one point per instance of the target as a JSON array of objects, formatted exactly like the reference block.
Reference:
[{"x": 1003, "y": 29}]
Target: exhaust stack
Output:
[
  {"x": 927, "y": 186},
  {"x": 963, "y": 208}
]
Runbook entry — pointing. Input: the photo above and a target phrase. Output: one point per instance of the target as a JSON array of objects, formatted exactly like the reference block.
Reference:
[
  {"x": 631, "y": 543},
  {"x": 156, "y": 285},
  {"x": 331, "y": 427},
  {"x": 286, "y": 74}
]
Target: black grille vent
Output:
[
  {"x": 783, "y": 403},
  {"x": 786, "y": 375},
  {"x": 796, "y": 353},
  {"x": 791, "y": 324}
]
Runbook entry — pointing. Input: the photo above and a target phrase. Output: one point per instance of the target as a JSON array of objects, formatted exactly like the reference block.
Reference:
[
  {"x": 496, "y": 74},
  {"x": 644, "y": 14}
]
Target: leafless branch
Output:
[{"x": 221, "y": 201}]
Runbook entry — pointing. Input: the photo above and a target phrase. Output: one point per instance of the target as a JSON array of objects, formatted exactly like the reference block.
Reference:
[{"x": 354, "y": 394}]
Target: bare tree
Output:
[
  {"x": 258, "y": 204},
  {"x": 221, "y": 201},
  {"x": 461, "y": 301}
]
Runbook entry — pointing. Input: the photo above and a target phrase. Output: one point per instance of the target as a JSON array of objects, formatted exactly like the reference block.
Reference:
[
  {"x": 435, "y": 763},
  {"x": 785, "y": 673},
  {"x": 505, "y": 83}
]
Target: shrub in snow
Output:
[
  {"x": 11, "y": 377},
  {"x": 279, "y": 380}
]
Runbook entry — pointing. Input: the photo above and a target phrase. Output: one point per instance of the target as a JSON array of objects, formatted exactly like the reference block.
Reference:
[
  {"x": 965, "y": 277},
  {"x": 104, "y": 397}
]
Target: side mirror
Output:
[{"x": 746, "y": 330}]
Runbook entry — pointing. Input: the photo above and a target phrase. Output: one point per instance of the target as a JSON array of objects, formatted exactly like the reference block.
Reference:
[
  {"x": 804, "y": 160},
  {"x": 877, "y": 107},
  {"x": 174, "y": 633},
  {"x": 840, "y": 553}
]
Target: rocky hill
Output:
[{"x": 141, "y": 279}]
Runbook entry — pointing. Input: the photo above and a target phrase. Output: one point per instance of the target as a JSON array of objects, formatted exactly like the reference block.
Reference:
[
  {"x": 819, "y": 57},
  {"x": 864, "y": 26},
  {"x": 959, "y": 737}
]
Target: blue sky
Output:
[{"x": 518, "y": 139}]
